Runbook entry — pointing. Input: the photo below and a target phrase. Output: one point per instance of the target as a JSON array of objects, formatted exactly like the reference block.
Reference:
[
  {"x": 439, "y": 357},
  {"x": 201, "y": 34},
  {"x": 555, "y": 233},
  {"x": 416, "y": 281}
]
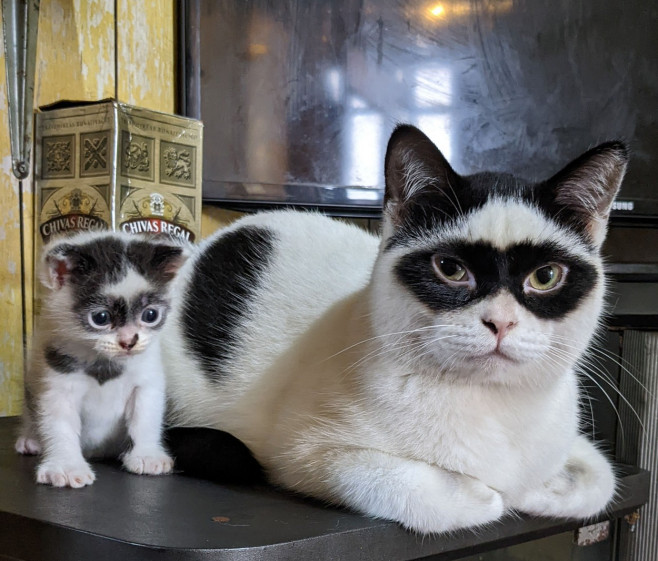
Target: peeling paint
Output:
[
  {"x": 146, "y": 54},
  {"x": 11, "y": 319}
]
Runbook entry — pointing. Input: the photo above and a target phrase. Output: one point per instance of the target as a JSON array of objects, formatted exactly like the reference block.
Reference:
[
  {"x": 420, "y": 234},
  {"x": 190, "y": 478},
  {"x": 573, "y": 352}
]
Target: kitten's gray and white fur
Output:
[
  {"x": 427, "y": 377},
  {"x": 95, "y": 384}
]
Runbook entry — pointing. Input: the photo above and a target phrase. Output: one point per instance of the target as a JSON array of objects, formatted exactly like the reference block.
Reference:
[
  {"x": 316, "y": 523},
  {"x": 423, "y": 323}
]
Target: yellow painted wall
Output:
[
  {"x": 77, "y": 58},
  {"x": 11, "y": 324}
]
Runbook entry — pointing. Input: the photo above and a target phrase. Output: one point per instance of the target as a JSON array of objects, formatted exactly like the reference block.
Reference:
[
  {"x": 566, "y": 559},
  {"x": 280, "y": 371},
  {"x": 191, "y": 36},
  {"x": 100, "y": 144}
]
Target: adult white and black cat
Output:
[
  {"x": 95, "y": 383},
  {"x": 427, "y": 377}
]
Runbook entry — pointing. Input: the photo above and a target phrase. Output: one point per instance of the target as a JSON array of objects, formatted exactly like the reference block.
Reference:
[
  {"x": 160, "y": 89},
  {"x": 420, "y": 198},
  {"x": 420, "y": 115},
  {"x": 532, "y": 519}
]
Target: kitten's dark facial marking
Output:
[
  {"x": 103, "y": 370},
  {"x": 120, "y": 311},
  {"x": 149, "y": 301},
  {"x": 225, "y": 278},
  {"x": 60, "y": 362},
  {"x": 494, "y": 270},
  {"x": 107, "y": 260}
]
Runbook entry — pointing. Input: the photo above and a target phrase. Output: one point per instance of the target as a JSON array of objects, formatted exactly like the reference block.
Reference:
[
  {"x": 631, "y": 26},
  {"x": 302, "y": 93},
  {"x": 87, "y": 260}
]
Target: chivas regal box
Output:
[{"x": 108, "y": 165}]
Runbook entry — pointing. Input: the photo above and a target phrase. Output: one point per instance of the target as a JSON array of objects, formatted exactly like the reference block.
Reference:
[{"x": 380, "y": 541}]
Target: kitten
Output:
[
  {"x": 427, "y": 377},
  {"x": 95, "y": 384}
]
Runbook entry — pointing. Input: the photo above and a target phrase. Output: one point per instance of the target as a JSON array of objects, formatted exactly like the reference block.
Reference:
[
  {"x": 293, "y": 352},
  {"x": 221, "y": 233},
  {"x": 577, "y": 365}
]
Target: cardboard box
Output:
[{"x": 108, "y": 165}]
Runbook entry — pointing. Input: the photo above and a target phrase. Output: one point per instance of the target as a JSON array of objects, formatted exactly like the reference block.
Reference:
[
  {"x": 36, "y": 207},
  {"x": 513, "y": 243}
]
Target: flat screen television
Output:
[{"x": 298, "y": 97}]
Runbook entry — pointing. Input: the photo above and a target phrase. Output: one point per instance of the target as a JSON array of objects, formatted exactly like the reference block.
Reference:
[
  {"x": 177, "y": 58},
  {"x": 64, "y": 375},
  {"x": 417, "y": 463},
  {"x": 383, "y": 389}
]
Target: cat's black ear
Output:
[
  {"x": 585, "y": 189},
  {"x": 60, "y": 262},
  {"x": 416, "y": 174},
  {"x": 167, "y": 259}
]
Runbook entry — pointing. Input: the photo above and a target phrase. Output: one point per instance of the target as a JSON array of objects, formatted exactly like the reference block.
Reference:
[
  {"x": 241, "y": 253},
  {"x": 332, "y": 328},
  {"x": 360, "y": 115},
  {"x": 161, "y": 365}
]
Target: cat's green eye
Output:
[
  {"x": 451, "y": 271},
  {"x": 100, "y": 319},
  {"x": 548, "y": 277}
]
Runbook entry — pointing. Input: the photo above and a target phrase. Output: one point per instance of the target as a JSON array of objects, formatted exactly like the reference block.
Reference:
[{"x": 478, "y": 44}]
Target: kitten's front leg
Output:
[
  {"x": 423, "y": 498},
  {"x": 59, "y": 424},
  {"x": 582, "y": 488},
  {"x": 144, "y": 414}
]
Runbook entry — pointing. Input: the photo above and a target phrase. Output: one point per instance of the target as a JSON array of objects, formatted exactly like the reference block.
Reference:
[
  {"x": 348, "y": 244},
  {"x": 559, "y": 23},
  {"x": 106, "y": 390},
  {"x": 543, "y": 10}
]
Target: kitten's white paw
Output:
[
  {"x": 27, "y": 446},
  {"x": 148, "y": 462},
  {"x": 60, "y": 474}
]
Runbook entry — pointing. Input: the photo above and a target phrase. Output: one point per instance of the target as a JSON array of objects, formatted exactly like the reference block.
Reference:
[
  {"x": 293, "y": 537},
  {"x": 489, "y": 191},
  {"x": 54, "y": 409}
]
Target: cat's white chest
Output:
[
  {"x": 508, "y": 439},
  {"x": 105, "y": 407},
  {"x": 103, "y": 410}
]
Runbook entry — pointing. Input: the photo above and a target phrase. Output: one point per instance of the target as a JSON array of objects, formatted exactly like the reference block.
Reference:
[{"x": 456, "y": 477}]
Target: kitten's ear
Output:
[
  {"x": 587, "y": 187},
  {"x": 60, "y": 262},
  {"x": 414, "y": 167},
  {"x": 167, "y": 259}
]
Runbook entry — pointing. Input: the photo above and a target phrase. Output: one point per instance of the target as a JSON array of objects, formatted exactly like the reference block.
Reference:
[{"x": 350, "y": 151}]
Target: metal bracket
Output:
[{"x": 20, "y": 21}]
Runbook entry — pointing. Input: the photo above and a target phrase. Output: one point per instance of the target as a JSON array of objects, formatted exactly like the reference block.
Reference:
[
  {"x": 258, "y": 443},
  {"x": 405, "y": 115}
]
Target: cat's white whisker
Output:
[{"x": 387, "y": 335}]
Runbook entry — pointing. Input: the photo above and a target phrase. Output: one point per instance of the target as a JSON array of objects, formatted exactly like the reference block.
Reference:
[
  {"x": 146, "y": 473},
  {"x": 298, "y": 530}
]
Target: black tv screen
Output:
[{"x": 299, "y": 97}]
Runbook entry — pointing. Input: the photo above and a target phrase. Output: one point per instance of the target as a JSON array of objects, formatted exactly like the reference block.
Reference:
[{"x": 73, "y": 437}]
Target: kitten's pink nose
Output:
[
  {"x": 499, "y": 327},
  {"x": 128, "y": 344}
]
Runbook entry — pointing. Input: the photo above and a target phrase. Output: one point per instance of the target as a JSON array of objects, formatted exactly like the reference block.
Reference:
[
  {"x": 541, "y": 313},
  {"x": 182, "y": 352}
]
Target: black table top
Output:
[{"x": 125, "y": 516}]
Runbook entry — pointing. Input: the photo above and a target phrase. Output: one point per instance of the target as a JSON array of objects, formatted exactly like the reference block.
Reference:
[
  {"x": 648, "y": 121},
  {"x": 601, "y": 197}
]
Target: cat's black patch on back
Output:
[
  {"x": 495, "y": 270},
  {"x": 225, "y": 278},
  {"x": 59, "y": 361}
]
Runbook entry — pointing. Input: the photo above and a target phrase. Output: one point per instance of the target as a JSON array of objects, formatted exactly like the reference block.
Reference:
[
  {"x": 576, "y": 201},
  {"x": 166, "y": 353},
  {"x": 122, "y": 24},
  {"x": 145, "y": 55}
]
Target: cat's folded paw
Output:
[
  {"x": 61, "y": 474},
  {"x": 480, "y": 504},
  {"x": 151, "y": 462},
  {"x": 583, "y": 488},
  {"x": 27, "y": 446},
  {"x": 449, "y": 501}
]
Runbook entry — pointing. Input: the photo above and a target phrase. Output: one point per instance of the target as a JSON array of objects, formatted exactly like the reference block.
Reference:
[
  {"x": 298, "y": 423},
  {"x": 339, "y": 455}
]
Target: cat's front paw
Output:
[
  {"x": 62, "y": 474},
  {"x": 148, "y": 462},
  {"x": 27, "y": 446},
  {"x": 480, "y": 504},
  {"x": 583, "y": 488}
]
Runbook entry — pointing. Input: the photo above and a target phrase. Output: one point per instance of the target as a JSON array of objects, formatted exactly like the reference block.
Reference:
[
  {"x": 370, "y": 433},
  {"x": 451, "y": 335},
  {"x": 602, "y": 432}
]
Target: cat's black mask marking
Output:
[{"x": 495, "y": 270}]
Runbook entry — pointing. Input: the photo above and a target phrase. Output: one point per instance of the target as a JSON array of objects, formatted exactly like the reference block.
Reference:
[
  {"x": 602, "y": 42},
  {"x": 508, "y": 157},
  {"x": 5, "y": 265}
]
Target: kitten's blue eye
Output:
[
  {"x": 452, "y": 271},
  {"x": 100, "y": 319},
  {"x": 150, "y": 316}
]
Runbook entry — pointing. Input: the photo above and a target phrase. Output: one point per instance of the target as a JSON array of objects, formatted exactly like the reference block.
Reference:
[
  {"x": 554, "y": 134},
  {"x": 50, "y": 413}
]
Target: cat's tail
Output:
[{"x": 213, "y": 455}]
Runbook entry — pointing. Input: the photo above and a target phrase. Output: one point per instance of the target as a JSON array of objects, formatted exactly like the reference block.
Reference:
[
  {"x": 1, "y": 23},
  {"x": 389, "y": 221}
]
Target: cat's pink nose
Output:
[
  {"x": 128, "y": 344},
  {"x": 498, "y": 327}
]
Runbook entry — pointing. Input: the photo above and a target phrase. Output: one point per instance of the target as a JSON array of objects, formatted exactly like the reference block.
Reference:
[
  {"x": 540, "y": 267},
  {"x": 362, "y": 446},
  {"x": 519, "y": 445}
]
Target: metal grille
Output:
[{"x": 638, "y": 438}]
